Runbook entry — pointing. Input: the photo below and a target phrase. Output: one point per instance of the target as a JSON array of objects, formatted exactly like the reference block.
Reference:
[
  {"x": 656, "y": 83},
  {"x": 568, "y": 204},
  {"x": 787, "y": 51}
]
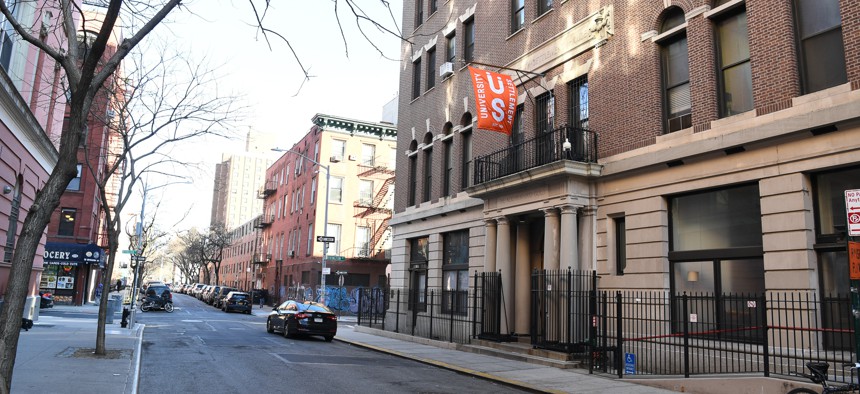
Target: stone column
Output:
[
  {"x": 588, "y": 218},
  {"x": 569, "y": 239},
  {"x": 551, "y": 239},
  {"x": 522, "y": 308},
  {"x": 504, "y": 265},
  {"x": 490, "y": 245}
]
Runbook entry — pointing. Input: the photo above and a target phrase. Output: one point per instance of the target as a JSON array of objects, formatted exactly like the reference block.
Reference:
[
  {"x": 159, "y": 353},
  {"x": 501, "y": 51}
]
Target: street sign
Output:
[
  {"x": 128, "y": 251},
  {"x": 854, "y": 260},
  {"x": 629, "y": 364},
  {"x": 852, "y": 210},
  {"x": 323, "y": 238},
  {"x": 326, "y": 271},
  {"x": 341, "y": 272},
  {"x": 335, "y": 258}
]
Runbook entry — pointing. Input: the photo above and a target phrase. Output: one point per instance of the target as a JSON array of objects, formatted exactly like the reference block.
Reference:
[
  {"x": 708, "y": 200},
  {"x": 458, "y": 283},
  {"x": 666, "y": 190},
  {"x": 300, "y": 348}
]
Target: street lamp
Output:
[
  {"x": 325, "y": 218},
  {"x": 138, "y": 258}
]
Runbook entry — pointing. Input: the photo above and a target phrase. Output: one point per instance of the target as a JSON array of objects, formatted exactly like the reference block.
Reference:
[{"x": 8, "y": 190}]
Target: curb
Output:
[
  {"x": 135, "y": 373},
  {"x": 455, "y": 368}
]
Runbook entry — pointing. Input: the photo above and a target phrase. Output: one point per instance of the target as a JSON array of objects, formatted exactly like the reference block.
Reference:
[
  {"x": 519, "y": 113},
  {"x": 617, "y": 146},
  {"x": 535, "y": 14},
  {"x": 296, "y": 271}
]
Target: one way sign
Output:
[{"x": 323, "y": 238}]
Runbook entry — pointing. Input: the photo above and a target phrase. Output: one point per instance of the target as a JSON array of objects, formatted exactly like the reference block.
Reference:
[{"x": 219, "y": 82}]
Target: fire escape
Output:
[{"x": 375, "y": 213}]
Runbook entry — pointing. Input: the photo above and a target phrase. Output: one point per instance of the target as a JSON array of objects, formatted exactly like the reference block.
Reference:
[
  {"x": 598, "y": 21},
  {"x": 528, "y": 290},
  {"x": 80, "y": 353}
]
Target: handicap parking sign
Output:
[{"x": 629, "y": 364}]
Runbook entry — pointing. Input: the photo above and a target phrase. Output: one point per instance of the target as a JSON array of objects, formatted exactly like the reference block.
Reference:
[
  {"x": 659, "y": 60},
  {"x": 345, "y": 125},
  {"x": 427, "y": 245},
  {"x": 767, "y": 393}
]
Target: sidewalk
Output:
[
  {"x": 527, "y": 376},
  {"x": 55, "y": 356}
]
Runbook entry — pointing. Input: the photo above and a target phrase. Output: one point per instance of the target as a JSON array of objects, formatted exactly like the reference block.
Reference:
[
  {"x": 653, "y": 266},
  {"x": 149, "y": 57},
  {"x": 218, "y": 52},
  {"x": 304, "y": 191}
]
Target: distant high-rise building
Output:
[{"x": 237, "y": 179}]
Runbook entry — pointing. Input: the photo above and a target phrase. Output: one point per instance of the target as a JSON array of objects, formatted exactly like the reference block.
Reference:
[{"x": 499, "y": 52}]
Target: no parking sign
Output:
[{"x": 852, "y": 210}]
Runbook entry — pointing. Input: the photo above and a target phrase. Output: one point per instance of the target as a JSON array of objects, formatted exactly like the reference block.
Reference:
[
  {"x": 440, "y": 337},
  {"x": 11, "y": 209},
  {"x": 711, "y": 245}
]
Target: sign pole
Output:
[{"x": 852, "y": 212}]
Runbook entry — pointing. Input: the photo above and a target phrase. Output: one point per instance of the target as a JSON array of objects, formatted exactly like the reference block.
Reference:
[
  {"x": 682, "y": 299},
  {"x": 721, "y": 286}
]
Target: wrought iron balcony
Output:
[
  {"x": 269, "y": 188},
  {"x": 262, "y": 258},
  {"x": 547, "y": 148},
  {"x": 264, "y": 221}
]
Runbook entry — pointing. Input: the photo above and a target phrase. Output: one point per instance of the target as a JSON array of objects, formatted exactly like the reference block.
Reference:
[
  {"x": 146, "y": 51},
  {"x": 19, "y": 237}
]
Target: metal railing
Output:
[
  {"x": 657, "y": 333},
  {"x": 544, "y": 149}
]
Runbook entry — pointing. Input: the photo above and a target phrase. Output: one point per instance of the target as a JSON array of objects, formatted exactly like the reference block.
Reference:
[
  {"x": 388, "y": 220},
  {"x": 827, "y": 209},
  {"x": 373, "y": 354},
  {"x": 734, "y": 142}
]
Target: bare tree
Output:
[{"x": 165, "y": 99}]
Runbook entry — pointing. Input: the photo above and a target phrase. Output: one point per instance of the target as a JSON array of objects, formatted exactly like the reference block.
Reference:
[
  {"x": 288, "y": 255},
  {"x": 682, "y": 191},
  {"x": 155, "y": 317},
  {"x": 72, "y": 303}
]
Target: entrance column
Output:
[
  {"x": 504, "y": 266},
  {"x": 522, "y": 309},
  {"x": 550, "y": 240},
  {"x": 490, "y": 245},
  {"x": 569, "y": 238}
]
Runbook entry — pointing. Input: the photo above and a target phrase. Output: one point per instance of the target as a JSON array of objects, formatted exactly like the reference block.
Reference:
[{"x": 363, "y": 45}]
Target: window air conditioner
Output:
[
  {"x": 336, "y": 158},
  {"x": 446, "y": 69},
  {"x": 351, "y": 157},
  {"x": 292, "y": 253}
]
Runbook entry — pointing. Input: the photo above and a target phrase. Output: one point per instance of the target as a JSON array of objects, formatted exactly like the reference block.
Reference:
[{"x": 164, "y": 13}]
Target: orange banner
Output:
[{"x": 495, "y": 100}]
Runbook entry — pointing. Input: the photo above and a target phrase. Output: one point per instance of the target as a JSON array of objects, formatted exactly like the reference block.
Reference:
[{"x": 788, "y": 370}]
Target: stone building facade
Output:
[{"x": 668, "y": 145}]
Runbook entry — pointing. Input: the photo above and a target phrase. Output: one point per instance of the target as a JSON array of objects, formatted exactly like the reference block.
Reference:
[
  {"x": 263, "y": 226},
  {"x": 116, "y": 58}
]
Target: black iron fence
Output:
[
  {"x": 562, "y": 307},
  {"x": 633, "y": 332},
  {"x": 658, "y": 333},
  {"x": 455, "y": 316},
  {"x": 544, "y": 149}
]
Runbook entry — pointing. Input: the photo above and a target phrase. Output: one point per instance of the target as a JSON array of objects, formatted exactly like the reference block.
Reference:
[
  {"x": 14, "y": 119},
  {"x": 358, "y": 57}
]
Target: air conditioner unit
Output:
[
  {"x": 292, "y": 253},
  {"x": 446, "y": 69},
  {"x": 352, "y": 158},
  {"x": 336, "y": 158}
]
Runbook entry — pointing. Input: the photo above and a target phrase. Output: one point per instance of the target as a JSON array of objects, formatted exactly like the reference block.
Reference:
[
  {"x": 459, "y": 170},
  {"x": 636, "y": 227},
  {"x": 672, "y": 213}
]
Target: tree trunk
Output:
[
  {"x": 46, "y": 201},
  {"x": 113, "y": 241}
]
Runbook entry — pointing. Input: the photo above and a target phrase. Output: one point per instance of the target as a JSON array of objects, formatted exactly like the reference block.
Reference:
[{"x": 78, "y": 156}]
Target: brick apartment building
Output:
[
  {"x": 678, "y": 146},
  {"x": 287, "y": 257},
  {"x": 78, "y": 224}
]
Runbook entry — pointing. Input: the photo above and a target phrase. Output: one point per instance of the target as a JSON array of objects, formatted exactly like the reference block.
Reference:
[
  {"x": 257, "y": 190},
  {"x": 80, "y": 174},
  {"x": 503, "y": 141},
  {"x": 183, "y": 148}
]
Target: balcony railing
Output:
[
  {"x": 269, "y": 188},
  {"x": 264, "y": 221},
  {"x": 545, "y": 149},
  {"x": 262, "y": 258},
  {"x": 366, "y": 253}
]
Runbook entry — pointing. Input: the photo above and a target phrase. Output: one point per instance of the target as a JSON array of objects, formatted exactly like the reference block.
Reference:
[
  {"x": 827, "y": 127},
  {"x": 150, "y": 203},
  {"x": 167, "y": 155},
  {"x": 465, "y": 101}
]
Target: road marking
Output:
[{"x": 192, "y": 321}]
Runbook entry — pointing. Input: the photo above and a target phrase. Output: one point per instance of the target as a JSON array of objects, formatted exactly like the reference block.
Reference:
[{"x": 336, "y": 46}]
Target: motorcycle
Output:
[{"x": 153, "y": 303}]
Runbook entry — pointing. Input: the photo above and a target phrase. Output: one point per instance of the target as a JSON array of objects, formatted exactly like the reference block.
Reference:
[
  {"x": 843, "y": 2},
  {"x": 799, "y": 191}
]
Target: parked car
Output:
[
  {"x": 218, "y": 299},
  {"x": 196, "y": 289},
  {"x": 237, "y": 301},
  {"x": 305, "y": 318},
  {"x": 46, "y": 300},
  {"x": 199, "y": 294},
  {"x": 209, "y": 297},
  {"x": 158, "y": 289}
]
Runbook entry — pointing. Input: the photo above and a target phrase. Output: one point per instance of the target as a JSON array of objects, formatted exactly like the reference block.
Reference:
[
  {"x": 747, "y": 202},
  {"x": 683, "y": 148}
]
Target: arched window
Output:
[{"x": 674, "y": 59}]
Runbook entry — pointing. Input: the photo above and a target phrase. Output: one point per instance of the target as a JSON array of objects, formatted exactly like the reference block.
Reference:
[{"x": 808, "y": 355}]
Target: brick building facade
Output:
[{"x": 710, "y": 142}]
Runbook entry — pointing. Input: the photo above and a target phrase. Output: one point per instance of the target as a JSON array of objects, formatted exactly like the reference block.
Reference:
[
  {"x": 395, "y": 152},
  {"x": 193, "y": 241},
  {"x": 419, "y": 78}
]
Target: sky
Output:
[{"x": 270, "y": 82}]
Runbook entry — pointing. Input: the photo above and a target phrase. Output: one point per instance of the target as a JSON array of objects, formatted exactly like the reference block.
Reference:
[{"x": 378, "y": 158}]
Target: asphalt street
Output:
[{"x": 200, "y": 349}]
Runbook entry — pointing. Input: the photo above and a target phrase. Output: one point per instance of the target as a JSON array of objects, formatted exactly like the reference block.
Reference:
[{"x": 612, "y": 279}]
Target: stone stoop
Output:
[{"x": 520, "y": 351}]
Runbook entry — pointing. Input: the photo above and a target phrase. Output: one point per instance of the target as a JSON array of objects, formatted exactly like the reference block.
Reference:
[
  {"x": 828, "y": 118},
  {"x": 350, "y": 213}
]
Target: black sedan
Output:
[
  {"x": 237, "y": 301},
  {"x": 305, "y": 318}
]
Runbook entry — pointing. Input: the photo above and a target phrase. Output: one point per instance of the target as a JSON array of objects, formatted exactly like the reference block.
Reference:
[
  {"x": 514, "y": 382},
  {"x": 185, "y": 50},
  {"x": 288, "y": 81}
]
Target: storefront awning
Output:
[{"x": 58, "y": 253}]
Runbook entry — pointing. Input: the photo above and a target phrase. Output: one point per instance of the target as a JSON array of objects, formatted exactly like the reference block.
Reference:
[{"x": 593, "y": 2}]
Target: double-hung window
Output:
[
  {"x": 469, "y": 40},
  {"x": 518, "y": 15},
  {"x": 431, "y": 68},
  {"x": 675, "y": 64},
  {"x": 735, "y": 73},
  {"x": 451, "y": 47},
  {"x": 416, "y": 78},
  {"x": 820, "y": 46},
  {"x": 336, "y": 189},
  {"x": 543, "y": 6}
]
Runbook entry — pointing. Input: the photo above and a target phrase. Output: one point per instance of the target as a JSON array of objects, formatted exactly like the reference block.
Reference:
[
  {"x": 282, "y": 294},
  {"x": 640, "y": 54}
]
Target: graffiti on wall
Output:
[{"x": 342, "y": 299}]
